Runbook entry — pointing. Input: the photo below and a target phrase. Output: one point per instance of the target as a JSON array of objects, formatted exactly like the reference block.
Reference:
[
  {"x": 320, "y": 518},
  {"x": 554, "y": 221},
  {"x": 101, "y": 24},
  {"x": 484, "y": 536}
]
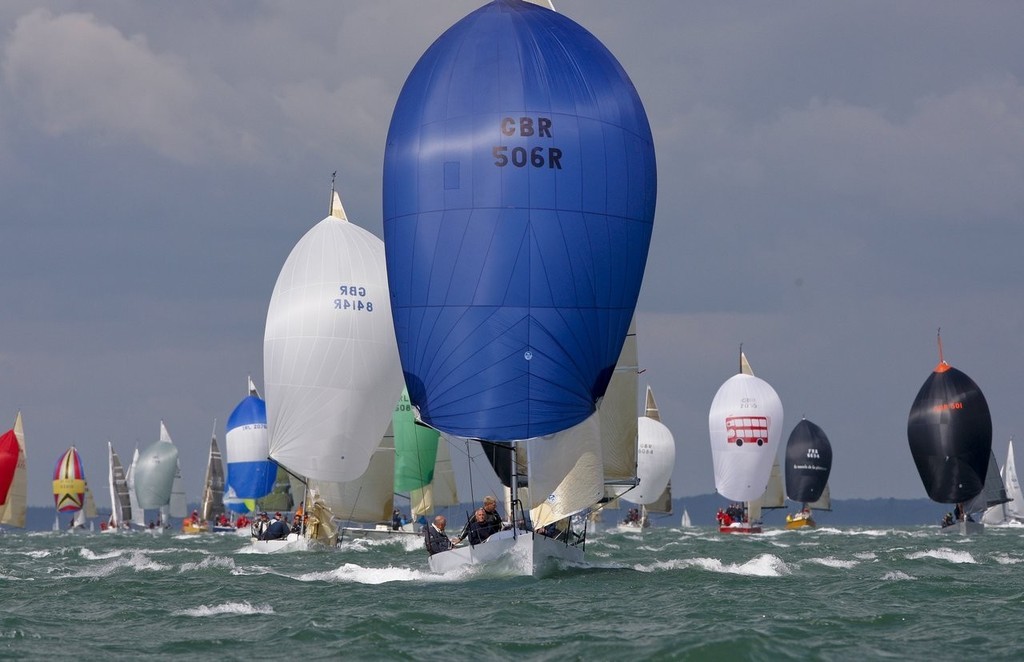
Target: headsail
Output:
[
  {"x": 329, "y": 353},
  {"x": 69, "y": 482},
  {"x": 251, "y": 473},
  {"x": 619, "y": 422},
  {"x": 14, "y": 504},
  {"x": 656, "y": 456},
  {"x": 155, "y": 470},
  {"x": 808, "y": 462},
  {"x": 950, "y": 435},
  {"x": 518, "y": 209},
  {"x": 745, "y": 424}
]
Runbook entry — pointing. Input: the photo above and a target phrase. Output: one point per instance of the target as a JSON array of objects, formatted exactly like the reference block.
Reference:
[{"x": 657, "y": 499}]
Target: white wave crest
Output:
[
  {"x": 231, "y": 608},
  {"x": 896, "y": 576},
  {"x": 209, "y": 562},
  {"x": 1004, "y": 559},
  {"x": 765, "y": 565},
  {"x": 138, "y": 562},
  {"x": 833, "y": 562},
  {"x": 357, "y": 574},
  {"x": 944, "y": 554},
  {"x": 90, "y": 555}
]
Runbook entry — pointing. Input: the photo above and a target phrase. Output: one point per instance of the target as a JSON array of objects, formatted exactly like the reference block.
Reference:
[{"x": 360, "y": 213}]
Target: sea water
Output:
[{"x": 825, "y": 594}]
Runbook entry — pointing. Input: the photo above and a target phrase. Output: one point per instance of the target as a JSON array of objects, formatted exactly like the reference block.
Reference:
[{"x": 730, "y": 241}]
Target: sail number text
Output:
[
  {"x": 520, "y": 157},
  {"x": 352, "y": 298}
]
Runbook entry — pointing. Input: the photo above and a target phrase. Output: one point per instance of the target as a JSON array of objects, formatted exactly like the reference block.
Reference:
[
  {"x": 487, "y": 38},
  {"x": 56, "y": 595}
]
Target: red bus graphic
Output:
[{"x": 746, "y": 430}]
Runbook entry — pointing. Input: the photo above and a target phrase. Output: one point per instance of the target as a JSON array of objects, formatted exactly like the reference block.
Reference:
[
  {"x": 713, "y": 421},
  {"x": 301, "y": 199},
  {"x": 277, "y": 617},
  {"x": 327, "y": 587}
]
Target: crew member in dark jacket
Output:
[
  {"x": 490, "y": 524},
  {"x": 434, "y": 536},
  {"x": 277, "y": 530}
]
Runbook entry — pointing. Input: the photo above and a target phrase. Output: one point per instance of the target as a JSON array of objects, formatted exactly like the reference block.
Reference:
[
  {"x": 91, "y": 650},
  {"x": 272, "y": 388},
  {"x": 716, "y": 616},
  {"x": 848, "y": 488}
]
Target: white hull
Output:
[
  {"x": 522, "y": 553},
  {"x": 379, "y": 532},
  {"x": 293, "y": 543},
  {"x": 964, "y": 528},
  {"x": 630, "y": 528}
]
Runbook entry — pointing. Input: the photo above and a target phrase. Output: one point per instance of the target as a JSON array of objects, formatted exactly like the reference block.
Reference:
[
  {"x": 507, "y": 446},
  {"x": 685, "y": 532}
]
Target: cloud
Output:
[{"x": 76, "y": 75}]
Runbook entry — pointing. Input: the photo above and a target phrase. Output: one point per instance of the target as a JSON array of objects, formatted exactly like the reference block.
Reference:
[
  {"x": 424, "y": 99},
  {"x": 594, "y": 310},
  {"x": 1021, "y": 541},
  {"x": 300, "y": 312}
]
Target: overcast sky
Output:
[{"x": 836, "y": 181}]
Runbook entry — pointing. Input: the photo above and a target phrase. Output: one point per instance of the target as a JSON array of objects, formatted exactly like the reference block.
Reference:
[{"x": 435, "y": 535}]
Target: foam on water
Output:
[
  {"x": 896, "y": 576},
  {"x": 832, "y": 562},
  {"x": 230, "y": 608},
  {"x": 90, "y": 555},
  {"x": 944, "y": 554},
  {"x": 1004, "y": 559},
  {"x": 136, "y": 561},
  {"x": 209, "y": 562},
  {"x": 764, "y": 565},
  {"x": 357, "y": 574}
]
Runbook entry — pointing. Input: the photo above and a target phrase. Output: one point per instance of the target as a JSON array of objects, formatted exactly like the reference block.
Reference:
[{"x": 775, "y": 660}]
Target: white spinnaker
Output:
[
  {"x": 154, "y": 472},
  {"x": 330, "y": 358},
  {"x": 368, "y": 499},
  {"x": 745, "y": 409}
]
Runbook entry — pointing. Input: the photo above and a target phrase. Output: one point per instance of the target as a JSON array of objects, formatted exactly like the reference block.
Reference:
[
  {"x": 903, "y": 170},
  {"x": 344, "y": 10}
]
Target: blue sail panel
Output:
[
  {"x": 519, "y": 194},
  {"x": 247, "y": 445}
]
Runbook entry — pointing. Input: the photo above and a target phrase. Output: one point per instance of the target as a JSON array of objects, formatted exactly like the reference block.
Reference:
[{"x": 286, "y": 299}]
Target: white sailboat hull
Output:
[
  {"x": 520, "y": 552},
  {"x": 293, "y": 543}
]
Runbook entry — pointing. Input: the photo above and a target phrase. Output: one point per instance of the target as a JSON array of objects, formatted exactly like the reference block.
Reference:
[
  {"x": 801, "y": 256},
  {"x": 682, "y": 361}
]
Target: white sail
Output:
[
  {"x": 331, "y": 363},
  {"x": 619, "y": 422},
  {"x": 824, "y": 502},
  {"x": 178, "y": 507},
  {"x": 120, "y": 502},
  {"x": 566, "y": 475},
  {"x": 155, "y": 470},
  {"x": 213, "y": 483},
  {"x": 993, "y": 493},
  {"x": 774, "y": 494},
  {"x": 745, "y": 425},
  {"x": 686, "y": 522},
  {"x": 368, "y": 499},
  {"x": 15, "y": 506},
  {"x": 1012, "y": 510},
  {"x": 138, "y": 513},
  {"x": 442, "y": 490},
  {"x": 656, "y": 456}
]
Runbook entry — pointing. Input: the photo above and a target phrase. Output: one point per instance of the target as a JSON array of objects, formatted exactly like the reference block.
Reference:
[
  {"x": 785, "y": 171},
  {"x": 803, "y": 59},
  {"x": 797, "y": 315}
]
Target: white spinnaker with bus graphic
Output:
[{"x": 745, "y": 425}]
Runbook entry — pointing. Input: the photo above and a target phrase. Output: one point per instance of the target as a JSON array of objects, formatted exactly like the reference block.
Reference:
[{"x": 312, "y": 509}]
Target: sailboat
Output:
[
  {"x": 1011, "y": 511},
  {"x": 13, "y": 476},
  {"x": 686, "y": 522},
  {"x": 69, "y": 485},
  {"x": 517, "y": 218},
  {"x": 212, "y": 505},
  {"x": 655, "y": 461},
  {"x": 157, "y": 477},
  {"x": 745, "y": 425},
  {"x": 992, "y": 494},
  {"x": 774, "y": 496},
  {"x": 950, "y": 433},
  {"x": 120, "y": 498},
  {"x": 330, "y": 358},
  {"x": 808, "y": 465}
]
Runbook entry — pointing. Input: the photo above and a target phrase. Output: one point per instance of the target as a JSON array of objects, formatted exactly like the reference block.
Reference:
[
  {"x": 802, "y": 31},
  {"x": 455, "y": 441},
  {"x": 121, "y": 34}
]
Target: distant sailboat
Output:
[
  {"x": 330, "y": 357},
  {"x": 656, "y": 457},
  {"x": 157, "y": 478},
  {"x": 950, "y": 433},
  {"x": 13, "y": 476},
  {"x": 212, "y": 504},
  {"x": 69, "y": 484},
  {"x": 686, "y": 523},
  {"x": 250, "y": 473},
  {"x": 808, "y": 465},
  {"x": 1011, "y": 511},
  {"x": 120, "y": 498},
  {"x": 745, "y": 425},
  {"x": 992, "y": 495}
]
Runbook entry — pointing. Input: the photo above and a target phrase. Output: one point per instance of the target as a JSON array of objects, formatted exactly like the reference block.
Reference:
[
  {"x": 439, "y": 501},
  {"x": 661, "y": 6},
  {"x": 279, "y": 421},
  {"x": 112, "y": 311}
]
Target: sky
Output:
[{"x": 837, "y": 181}]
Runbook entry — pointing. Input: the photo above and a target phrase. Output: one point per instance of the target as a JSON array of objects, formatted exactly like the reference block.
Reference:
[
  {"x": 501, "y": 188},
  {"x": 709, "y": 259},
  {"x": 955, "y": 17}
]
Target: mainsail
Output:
[
  {"x": 120, "y": 499},
  {"x": 950, "y": 433},
  {"x": 618, "y": 420},
  {"x": 745, "y": 424},
  {"x": 1011, "y": 510},
  {"x": 213, "y": 484},
  {"x": 329, "y": 354}
]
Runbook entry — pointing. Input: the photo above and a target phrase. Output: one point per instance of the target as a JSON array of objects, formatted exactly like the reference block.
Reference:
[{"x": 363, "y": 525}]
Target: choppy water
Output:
[{"x": 666, "y": 594}]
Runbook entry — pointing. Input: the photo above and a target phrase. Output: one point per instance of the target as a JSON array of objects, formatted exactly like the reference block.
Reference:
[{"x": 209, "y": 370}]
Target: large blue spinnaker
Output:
[{"x": 519, "y": 194}]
